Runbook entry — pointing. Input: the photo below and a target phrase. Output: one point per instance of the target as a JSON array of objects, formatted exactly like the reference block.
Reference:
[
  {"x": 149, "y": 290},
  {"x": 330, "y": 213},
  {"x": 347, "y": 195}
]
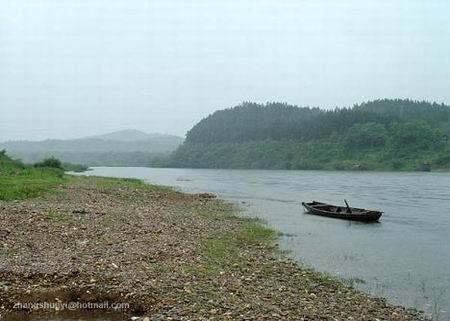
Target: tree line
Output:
[{"x": 382, "y": 134}]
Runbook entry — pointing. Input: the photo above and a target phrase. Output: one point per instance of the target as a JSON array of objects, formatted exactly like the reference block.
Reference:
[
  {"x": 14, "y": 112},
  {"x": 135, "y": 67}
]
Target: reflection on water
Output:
[{"x": 406, "y": 257}]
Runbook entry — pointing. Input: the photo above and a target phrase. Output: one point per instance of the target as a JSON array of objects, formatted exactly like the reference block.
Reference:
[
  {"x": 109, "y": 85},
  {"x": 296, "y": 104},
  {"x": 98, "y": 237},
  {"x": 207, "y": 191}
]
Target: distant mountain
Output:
[
  {"x": 105, "y": 149},
  {"x": 130, "y": 135}
]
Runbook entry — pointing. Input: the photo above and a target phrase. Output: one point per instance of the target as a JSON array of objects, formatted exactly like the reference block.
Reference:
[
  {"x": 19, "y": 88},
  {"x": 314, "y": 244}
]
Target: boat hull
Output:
[{"x": 340, "y": 212}]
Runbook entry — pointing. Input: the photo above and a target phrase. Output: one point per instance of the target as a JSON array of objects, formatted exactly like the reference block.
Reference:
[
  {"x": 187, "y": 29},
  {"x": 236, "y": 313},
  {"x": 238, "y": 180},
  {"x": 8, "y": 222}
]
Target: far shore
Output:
[{"x": 440, "y": 170}]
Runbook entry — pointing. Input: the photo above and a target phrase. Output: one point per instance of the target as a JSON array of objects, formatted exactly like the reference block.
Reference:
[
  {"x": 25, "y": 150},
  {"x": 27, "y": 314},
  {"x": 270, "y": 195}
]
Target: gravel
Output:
[{"x": 96, "y": 240}]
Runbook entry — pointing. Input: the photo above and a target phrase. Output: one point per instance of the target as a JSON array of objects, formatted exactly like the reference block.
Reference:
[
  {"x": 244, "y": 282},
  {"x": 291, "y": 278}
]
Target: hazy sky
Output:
[{"x": 71, "y": 68}]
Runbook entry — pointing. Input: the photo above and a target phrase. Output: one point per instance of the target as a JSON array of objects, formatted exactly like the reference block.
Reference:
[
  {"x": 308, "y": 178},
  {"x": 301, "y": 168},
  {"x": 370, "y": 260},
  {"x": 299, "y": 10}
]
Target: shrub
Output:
[{"x": 50, "y": 162}]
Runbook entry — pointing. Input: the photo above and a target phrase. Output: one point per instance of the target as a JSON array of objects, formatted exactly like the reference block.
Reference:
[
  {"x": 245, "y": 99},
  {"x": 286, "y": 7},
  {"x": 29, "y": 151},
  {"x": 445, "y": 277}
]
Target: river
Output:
[{"x": 405, "y": 257}]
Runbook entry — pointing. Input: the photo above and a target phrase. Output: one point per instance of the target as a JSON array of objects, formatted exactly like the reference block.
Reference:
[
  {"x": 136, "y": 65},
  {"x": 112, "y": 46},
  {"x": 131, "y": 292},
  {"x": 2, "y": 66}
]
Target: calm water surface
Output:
[{"x": 405, "y": 257}]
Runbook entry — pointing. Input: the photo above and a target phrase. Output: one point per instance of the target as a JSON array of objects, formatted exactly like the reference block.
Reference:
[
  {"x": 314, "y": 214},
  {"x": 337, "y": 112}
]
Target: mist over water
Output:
[{"x": 405, "y": 257}]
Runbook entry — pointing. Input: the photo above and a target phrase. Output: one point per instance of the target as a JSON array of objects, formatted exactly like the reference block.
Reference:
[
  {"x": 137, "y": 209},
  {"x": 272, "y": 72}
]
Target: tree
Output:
[
  {"x": 416, "y": 135},
  {"x": 369, "y": 135}
]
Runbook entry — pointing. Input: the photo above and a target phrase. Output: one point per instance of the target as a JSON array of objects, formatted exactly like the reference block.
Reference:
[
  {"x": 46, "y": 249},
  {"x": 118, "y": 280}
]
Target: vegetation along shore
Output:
[
  {"x": 398, "y": 135},
  {"x": 170, "y": 255},
  {"x": 381, "y": 135}
]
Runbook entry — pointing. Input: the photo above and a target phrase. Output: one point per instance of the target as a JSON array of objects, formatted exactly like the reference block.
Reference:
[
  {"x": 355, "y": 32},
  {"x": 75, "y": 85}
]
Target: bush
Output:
[
  {"x": 50, "y": 162},
  {"x": 19, "y": 181}
]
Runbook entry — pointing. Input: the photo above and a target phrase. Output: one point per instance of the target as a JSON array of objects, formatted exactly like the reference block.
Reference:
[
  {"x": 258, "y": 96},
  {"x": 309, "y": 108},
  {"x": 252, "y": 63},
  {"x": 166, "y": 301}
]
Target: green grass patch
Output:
[
  {"x": 254, "y": 233},
  {"x": 115, "y": 183},
  {"x": 221, "y": 252},
  {"x": 55, "y": 216},
  {"x": 11, "y": 252},
  {"x": 224, "y": 252},
  {"x": 77, "y": 168},
  {"x": 326, "y": 279},
  {"x": 119, "y": 182},
  {"x": 19, "y": 181},
  {"x": 131, "y": 190}
]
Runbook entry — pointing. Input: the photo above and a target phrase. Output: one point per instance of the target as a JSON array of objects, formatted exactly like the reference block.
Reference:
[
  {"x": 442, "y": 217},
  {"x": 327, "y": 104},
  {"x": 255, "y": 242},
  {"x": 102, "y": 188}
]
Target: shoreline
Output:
[
  {"x": 168, "y": 254},
  {"x": 275, "y": 169}
]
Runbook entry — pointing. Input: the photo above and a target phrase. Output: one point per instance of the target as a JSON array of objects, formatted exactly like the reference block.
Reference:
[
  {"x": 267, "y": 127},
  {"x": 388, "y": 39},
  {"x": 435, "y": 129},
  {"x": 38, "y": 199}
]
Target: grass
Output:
[
  {"x": 253, "y": 233},
  {"x": 19, "y": 181},
  {"x": 140, "y": 190},
  {"x": 223, "y": 252},
  {"x": 12, "y": 252},
  {"x": 226, "y": 252},
  {"x": 114, "y": 183},
  {"x": 77, "y": 168},
  {"x": 55, "y": 216},
  {"x": 326, "y": 279}
]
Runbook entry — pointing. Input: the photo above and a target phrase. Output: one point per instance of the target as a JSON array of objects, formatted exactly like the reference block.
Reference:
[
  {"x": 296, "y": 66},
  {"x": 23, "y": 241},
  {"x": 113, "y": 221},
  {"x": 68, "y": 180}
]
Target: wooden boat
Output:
[{"x": 342, "y": 212}]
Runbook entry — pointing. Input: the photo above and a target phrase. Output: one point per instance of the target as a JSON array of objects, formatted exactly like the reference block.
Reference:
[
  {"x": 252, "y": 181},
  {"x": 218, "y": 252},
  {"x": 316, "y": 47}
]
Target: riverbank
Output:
[{"x": 165, "y": 254}]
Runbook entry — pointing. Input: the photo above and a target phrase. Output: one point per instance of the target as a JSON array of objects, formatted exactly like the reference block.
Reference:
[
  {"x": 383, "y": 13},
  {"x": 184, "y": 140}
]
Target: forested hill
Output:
[
  {"x": 382, "y": 134},
  {"x": 251, "y": 121}
]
